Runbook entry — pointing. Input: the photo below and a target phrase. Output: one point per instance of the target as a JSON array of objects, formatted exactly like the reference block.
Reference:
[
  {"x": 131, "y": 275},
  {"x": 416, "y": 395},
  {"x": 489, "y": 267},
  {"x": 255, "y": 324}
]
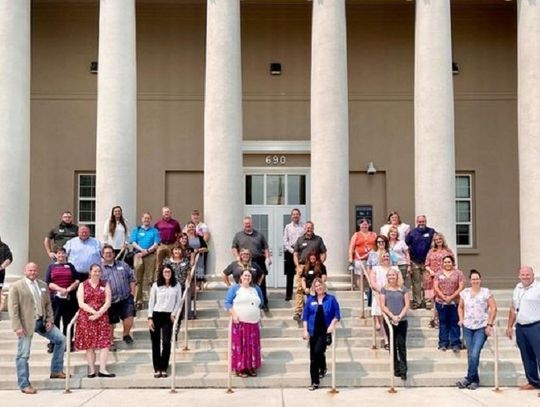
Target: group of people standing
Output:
[{"x": 405, "y": 268}]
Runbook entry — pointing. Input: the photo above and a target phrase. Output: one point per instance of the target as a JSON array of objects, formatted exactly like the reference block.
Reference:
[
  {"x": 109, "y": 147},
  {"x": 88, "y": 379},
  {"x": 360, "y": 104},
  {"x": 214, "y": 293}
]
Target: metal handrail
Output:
[
  {"x": 184, "y": 300},
  {"x": 333, "y": 390},
  {"x": 68, "y": 352},
  {"x": 496, "y": 357},
  {"x": 229, "y": 358},
  {"x": 375, "y": 296},
  {"x": 391, "y": 358}
]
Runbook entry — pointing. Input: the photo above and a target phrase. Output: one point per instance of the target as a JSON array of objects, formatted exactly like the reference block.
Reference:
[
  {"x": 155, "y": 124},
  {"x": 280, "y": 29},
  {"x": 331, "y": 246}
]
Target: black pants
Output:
[
  {"x": 400, "y": 346},
  {"x": 261, "y": 263},
  {"x": 317, "y": 358},
  {"x": 289, "y": 272},
  {"x": 64, "y": 310},
  {"x": 161, "y": 334}
]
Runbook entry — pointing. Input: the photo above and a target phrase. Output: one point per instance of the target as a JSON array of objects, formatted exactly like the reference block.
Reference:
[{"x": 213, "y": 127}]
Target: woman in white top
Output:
[
  {"x": 399, "y": 252},
  {"x": 476, "y": 311},
  {"x": 395, "y": 220},
  {"x": 163, "y": 304},
  {"x": 378, "y": 281},
  {"x": 244, "y": 301},
  {"x": 115, "y": 230}
]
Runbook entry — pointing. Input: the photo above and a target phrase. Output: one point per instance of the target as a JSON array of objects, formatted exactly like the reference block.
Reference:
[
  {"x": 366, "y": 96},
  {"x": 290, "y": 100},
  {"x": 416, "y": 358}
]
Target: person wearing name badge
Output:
[
  {"x": 93, "y": 330},
  {"x": 477, "y": 311},
  {"x": 115, "y": 230},
  {"x": 30, "y": 311},
  {"x": 320, "y": 316},
  {"x": 244, "y": 302},
  {"x": 145, "y": 240},
  {"x": 448, "y": 283},
  {"x": 59, "y": 235},
  {"x": 62, "y": 280}
]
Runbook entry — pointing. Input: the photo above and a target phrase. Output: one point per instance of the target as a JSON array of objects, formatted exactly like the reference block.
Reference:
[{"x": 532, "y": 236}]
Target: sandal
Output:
[
  {"x": 252, "y": 373},
  {"x": 241, "y": 374}
]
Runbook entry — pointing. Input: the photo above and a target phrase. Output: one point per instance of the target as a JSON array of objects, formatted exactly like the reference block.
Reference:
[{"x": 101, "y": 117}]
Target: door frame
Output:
[{"x": 276, "y": 277}]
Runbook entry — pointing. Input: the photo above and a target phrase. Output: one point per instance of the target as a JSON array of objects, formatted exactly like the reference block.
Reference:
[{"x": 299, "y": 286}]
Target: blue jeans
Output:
[
  {"x": 529, "y": 347},
  {"x": 448, "y": 325},
  {"x": 23, "y": 353},
  {"x": 474, "y": 339}
]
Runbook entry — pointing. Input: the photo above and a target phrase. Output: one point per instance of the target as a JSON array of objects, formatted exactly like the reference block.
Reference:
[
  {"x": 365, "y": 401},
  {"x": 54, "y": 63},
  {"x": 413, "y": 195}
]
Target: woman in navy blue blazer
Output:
[{"x": 321, "y": 313}]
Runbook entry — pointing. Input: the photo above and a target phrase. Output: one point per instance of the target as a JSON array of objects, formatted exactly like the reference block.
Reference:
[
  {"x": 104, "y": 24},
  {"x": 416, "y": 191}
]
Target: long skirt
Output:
[{"x": 246, "y": 346}]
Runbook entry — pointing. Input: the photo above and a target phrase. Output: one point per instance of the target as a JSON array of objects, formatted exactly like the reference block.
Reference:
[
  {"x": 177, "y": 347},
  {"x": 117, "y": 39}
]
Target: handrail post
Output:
[
  {"x": 186, "y": 317},
  {"x": 183, "y": 301},
  {"x": 229, "y": 359},
  {"x": 67, "y": 390},
  {"x": 391, "y": 363},
  {"x": 333, "y": 390},
  {"x": 496, "y": 357},
  {"x": 362, "y": 293}
]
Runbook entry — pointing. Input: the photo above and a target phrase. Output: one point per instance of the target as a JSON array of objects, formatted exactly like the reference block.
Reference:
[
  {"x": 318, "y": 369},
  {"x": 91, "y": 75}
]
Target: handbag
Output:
[{"x": 328, "y": 339}]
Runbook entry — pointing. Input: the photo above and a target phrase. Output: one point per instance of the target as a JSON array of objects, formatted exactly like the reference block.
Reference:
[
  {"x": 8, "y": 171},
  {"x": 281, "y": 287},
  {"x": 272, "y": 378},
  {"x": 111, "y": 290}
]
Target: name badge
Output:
[
  {"x": 141, "y": 233},
  {"x": 66, "y": 266},
  {"x": 43, "y": 289},
  {"x": 426, "y": 234},
  {"x": 304, "y": 244},
  {"x": 102, "y": 288},
  {"x": 310, "y": 272},
  {"x": 314, "y": 303},
  {"x": 120, "y": 268},
  {"x": 61, "y": 230}
]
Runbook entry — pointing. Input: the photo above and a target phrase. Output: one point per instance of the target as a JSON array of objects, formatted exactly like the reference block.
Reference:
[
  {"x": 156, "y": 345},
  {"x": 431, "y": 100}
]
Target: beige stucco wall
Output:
[{"x": 170, "y": 56}]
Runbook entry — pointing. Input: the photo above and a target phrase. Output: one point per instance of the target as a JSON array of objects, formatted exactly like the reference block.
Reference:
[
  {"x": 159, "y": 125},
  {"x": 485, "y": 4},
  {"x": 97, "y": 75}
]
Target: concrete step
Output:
[{"x": 273, "y": 380}]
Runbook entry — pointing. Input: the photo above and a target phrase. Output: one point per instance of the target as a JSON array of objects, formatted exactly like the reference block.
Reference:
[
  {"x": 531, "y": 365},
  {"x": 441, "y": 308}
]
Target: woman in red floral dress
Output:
[{"x": 93, "y": 329}]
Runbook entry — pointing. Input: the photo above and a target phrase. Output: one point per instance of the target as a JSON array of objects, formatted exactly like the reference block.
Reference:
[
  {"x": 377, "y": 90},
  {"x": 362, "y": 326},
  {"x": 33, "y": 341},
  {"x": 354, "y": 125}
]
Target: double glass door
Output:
[{"x": 269, "y": 200}]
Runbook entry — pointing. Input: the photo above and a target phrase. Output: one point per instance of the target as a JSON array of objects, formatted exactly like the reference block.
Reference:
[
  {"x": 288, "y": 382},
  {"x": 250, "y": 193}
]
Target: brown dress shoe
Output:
[
  {"x": 29, "y": 390},
  {"x": 527, "y": 386},
  {"x": 57, "y": 375}
]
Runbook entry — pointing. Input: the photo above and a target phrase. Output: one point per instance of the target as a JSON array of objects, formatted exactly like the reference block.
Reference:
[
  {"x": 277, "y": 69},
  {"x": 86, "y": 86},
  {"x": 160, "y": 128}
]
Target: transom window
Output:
[{"x": 275, "y": 189}]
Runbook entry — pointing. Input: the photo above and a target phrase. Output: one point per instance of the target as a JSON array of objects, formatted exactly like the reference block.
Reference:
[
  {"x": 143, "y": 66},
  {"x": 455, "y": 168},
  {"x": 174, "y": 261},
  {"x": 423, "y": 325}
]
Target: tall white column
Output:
[
  {"x": 330, "y": 130},
  {"x": 223, "y": 186},
  {"x": 528, "y": 46},
  {"x": 15, "y": 129},
  {"x": 434, "y": 152},
  {"x": 116, "y": 143}
]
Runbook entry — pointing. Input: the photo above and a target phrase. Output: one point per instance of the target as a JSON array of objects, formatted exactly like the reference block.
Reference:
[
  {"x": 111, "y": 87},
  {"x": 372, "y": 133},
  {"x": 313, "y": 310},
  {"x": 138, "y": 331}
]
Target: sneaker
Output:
[
  {"x": 313, "y": 387},
  {"x": 443, "y": 348},
  {"x": 403, "y": 376},
  {"x": 462, "y": 384},
  {"x": 50, "y": 347},
  {"x": 473, "y": 386},
  {"x": 128, "y": 339},
  {"x": 322, "y": 373}
]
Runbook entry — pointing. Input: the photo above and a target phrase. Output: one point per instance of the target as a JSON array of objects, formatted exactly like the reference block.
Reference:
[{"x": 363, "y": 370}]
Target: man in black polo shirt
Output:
[
  {"x": 59, "y": 235},
  {"x": 307, "y": 243},
  {"x": 257, "y": 245}
]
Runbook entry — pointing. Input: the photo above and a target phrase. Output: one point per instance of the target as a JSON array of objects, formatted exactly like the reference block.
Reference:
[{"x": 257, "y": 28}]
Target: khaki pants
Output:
[
  {"x": 298, "y": 296},
  {"x": 163, "y": 251},
  {"x": 144, "y": 273},
  {"x": 417, "y": 280}
]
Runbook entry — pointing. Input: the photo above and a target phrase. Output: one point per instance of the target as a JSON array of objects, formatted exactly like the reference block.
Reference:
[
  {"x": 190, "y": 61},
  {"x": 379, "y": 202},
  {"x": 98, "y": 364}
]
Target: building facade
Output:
[{"x": 259, "y": 106}]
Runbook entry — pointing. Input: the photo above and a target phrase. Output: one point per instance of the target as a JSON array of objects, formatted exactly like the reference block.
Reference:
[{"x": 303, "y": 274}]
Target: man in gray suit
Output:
[{"x": 31, "y": 311}]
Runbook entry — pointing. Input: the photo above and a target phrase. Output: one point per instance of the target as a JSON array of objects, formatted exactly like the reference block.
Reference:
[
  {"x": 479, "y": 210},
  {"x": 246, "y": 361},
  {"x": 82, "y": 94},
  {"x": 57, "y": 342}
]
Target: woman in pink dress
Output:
[
  {"x": 434, "y": 263},
  {"x": 93, "y": 329}
]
